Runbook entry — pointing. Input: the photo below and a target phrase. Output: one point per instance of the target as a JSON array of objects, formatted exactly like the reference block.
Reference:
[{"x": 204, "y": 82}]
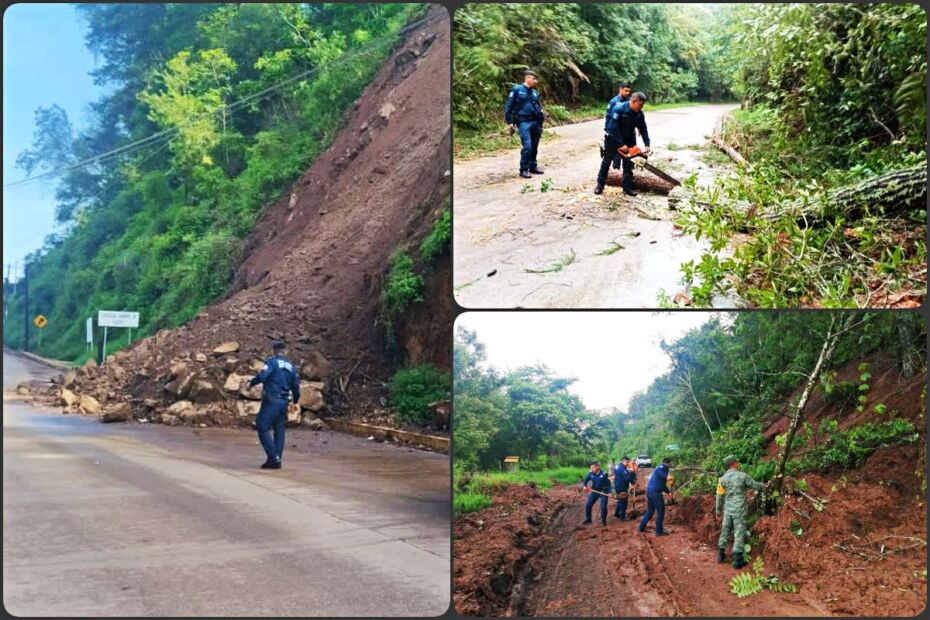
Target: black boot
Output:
[
  {"x": 269, "y": 464},
  {"x": 721, "y": 556},
  {"x": 629, "y": 192},
  {"x": 738, "y": 561},
  {"x": 599, "y": 189},
  {"x": 537, "y": 171}
]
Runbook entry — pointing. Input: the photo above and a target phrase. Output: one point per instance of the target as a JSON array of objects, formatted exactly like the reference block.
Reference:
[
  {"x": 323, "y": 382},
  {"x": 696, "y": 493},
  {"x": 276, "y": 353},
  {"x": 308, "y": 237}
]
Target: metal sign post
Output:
[
  {"x": 90, "y": 332},
  {"x": 111, "y": 318}
]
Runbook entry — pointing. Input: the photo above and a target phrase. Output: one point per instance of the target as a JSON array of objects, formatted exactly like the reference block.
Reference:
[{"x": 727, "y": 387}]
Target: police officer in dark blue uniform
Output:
[
  {"x": 280, "y": 379},
  {"x": 658, "y": 484},
  {"x": 624, "y": 120},
  {"x": 524, "y": 112},
  {"x": 623, "y": 478},
  {"x": 597, "y": 485},
  {"x": 623, "y": 94}
]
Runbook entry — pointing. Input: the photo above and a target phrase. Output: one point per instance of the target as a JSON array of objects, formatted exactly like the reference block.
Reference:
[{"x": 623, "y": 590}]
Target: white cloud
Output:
[{"x": 612, "y": 354}]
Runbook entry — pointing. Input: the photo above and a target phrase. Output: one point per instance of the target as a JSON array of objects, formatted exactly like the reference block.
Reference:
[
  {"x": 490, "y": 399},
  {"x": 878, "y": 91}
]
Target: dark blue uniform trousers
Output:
[
  {"x": 620, "y": 510},
  {"x": 593, "y": 497},
  {"x": 611, "y": 145},
  {"x": 655, "y": 505},
  {"x": 272, "y": 415},
  {"x": 530, "y": 132}
]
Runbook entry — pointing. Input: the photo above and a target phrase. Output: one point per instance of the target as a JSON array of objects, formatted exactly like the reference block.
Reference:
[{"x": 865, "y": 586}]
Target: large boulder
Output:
[
  {"x": 181, "y": 408},
  {"x": 89, "y": 404},
  {"x": 315, "y": 367},
  {"x": 251, "y": 393},
  {"x": 180, "y": 386},
  {"x": 293, "y": 415},
  {"x": 23, "y": 389},
  {"x": 311, "y": 397},
  {"x": 203, "y": 392},
  {"x": 226, "y": 348},
  {"x": 69, "y": 398},
  {"x": 234, "y": 382},
  {"x": 177, "y": 369},
  {"x": 170, "y": 419},
  {"x": 120, "y": 413},
  {"x": 247, "y": 409}
]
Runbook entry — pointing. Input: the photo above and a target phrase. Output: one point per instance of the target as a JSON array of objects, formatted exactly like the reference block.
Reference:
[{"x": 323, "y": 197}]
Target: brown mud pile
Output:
[
  {"x": 314, "y": 265},
  {"x": 863, "y": 554}
]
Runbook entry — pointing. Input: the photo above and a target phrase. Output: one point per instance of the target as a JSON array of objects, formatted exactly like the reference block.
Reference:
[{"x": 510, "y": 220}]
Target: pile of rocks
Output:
[{"x": 198, "y": 388}]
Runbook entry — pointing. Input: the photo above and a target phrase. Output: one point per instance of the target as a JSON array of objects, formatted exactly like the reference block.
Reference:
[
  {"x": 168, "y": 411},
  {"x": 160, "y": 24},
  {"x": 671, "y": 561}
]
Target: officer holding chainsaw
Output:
[
  {"x": 597, "y": 485},
  {"x": 524, "y": 114},
  {"x": 279, "y": 379},
  {"x": 625, "y": 119}
]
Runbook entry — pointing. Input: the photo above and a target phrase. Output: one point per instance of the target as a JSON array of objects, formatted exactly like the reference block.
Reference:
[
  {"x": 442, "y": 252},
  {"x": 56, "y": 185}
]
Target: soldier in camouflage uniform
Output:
[{"x": 731, "y": 488}]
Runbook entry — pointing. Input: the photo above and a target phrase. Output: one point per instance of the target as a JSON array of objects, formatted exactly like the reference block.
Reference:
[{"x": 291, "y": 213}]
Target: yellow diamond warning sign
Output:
[{"x": 40, "y": 321}]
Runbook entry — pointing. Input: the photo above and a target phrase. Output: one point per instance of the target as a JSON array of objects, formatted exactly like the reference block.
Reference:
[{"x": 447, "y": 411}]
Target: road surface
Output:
[
  {"x": 146, "y": 520},
  {"x": 501, "y": 228}
]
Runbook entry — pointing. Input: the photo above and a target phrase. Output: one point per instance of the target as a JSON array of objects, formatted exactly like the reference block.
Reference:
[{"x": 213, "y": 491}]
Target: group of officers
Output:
[
  {"x": 524, "y": 114},
  {"x": 731, "y": 502}
]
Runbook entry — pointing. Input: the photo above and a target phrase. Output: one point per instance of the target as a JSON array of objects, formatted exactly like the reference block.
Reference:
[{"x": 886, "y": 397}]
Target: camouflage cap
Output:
[{"x": 729, "y": 461}]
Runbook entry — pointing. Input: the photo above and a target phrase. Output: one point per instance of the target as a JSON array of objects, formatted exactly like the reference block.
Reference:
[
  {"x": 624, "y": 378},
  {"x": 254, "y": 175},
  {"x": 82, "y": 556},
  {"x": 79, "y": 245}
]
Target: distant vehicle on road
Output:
[{"x": 643, "y": 460}]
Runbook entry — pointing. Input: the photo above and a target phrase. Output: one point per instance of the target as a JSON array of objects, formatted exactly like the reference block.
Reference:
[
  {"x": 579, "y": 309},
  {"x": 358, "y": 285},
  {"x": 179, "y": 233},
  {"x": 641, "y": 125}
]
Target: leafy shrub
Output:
[
  {"x": 851, "y": 447},
  {"x": 749, "y": 583},
  {"x": 437, "y": 241},
  {"x": 844, "y": 392},
  {"x": 403, "y": 286},
  {"x": 413, "y": 389}
]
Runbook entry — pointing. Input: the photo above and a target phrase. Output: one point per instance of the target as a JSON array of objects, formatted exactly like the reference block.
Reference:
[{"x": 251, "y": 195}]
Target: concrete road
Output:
[
  {"x": 506, "y": 225},
  {"x": 145, "y": 520}
]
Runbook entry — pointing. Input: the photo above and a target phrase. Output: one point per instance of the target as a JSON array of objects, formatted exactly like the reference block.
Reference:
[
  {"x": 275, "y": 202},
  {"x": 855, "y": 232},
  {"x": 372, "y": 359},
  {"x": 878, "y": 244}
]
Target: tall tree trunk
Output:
[
  {"x": 797, "y": 418},
  {"x": 686, "y": 381}
]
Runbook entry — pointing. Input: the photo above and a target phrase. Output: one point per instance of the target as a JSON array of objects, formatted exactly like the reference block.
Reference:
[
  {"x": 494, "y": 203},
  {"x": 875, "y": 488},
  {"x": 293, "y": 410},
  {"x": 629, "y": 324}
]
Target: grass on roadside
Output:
[{"x": 478, "y": 491}]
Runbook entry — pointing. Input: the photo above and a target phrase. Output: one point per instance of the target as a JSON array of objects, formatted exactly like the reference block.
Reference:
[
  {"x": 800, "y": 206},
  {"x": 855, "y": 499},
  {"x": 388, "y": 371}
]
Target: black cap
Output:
[
  {"x": 530, "y": 72},
  {"x": 638, "y": 95},
  {"x": 279, "y": 345},
  {"x": 626, "y": 458},
  {"x": 624, "y": 85}
]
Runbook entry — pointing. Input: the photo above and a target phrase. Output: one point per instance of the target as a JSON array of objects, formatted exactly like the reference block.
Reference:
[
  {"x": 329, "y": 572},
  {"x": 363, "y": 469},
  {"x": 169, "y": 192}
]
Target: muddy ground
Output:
[
  {"x": 506, "y": 225},
  {"x": 529, "y": 555}
]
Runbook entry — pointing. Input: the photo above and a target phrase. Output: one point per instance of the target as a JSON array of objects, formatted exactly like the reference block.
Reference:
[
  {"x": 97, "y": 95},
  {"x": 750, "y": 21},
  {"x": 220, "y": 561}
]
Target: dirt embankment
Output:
[
  {"x": 863, "y": 554},
  {"x": 315, "y": 263}
]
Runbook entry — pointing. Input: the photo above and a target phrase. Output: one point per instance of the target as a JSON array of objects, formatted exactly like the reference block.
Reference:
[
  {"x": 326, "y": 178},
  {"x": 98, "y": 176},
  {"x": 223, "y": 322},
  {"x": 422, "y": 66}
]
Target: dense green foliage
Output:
[
  {"x": 473, "y": 490},
  {"x": 238, "y": 100},
  {"x": 582, "y": 51},
  {"x": 835, "y": 95},
  {"x": 413, "y": 389},
  {"x": 729, "y": 380},
  {"x": 438, "y": 239}
]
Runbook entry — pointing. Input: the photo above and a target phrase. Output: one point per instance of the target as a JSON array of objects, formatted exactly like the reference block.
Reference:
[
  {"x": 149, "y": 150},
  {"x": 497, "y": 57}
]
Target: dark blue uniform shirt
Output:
[
  {"x": 658, "y": 483},
  {"x": 623, "y": 122},
  {"x": 523, "y": 105},
  {"x": 279, "y": 377},
  {"x": 610, "y": 106},
  {"x": 623, "y": 478},
  {"x": 599, "y": 481}
]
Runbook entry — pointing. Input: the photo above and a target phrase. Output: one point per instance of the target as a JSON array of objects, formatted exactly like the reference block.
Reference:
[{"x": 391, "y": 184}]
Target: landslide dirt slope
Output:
[
  {"x": 863, "y": 555},
  {"x": 314, "y": 264}
]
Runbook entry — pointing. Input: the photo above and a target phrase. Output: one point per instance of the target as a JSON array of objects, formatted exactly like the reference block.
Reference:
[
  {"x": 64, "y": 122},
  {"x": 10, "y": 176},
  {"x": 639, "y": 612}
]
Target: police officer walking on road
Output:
[
  {"x": 623, "y": 478},
  {"x": 622, "y": 123},
  {"x": 280, "y": 379},
  {"x": 597, "y": 485},
  {"x": 658, "y": 484},
  {"x": 523, "y": 113},
  {"x": 731, "y": 496}
]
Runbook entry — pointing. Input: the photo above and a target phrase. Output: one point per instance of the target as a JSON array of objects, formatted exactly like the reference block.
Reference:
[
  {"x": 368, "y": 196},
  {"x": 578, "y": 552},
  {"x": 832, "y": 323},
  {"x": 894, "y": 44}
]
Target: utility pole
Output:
[{"x": 26, "y": 306}]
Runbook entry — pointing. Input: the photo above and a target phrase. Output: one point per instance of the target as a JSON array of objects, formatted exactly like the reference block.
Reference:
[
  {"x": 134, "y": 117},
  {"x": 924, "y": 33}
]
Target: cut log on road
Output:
[
  {"x": 887, "y": 194},
  {"x": 642, "y": 181}
]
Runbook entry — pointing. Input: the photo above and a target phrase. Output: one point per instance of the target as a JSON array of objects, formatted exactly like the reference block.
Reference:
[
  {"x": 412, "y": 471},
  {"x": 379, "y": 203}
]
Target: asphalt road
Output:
[
  {"x": 518, "y": 245},
  {"x": 145, "y": 520}
]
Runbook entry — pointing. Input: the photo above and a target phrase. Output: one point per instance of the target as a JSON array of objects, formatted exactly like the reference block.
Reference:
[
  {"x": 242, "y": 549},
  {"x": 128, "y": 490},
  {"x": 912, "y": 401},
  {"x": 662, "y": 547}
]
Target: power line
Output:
[{"x": 169, "y": 134}]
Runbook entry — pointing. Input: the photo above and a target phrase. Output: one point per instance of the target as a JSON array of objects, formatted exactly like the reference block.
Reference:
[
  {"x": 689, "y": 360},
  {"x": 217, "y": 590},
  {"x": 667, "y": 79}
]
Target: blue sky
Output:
[{"x": 44, "y": 62}]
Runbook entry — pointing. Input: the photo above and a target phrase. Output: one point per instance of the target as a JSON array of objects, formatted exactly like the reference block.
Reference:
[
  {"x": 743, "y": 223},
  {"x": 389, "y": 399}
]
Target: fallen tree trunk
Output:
[
  {"x": 886, "y": 194},
  {"x": 642, "y": 181},
  {"x": 730, "y": 151}
]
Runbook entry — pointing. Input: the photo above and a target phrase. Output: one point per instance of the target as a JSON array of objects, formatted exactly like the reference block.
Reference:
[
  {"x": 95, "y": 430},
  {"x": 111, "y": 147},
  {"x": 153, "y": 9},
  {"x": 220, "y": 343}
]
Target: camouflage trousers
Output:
[{"x": 734, "y": 523}]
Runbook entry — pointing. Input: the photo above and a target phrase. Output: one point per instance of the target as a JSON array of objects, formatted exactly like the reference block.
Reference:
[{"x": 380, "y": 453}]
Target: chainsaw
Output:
[{"x": 635, "y": 151}]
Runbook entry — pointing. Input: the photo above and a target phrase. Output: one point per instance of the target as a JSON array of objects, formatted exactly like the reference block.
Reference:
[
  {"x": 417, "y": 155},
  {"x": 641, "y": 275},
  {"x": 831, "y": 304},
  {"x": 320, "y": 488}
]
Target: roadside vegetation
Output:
[
  {"x": 730, "y": 380},
  {"x": 673, "y": 53}
]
